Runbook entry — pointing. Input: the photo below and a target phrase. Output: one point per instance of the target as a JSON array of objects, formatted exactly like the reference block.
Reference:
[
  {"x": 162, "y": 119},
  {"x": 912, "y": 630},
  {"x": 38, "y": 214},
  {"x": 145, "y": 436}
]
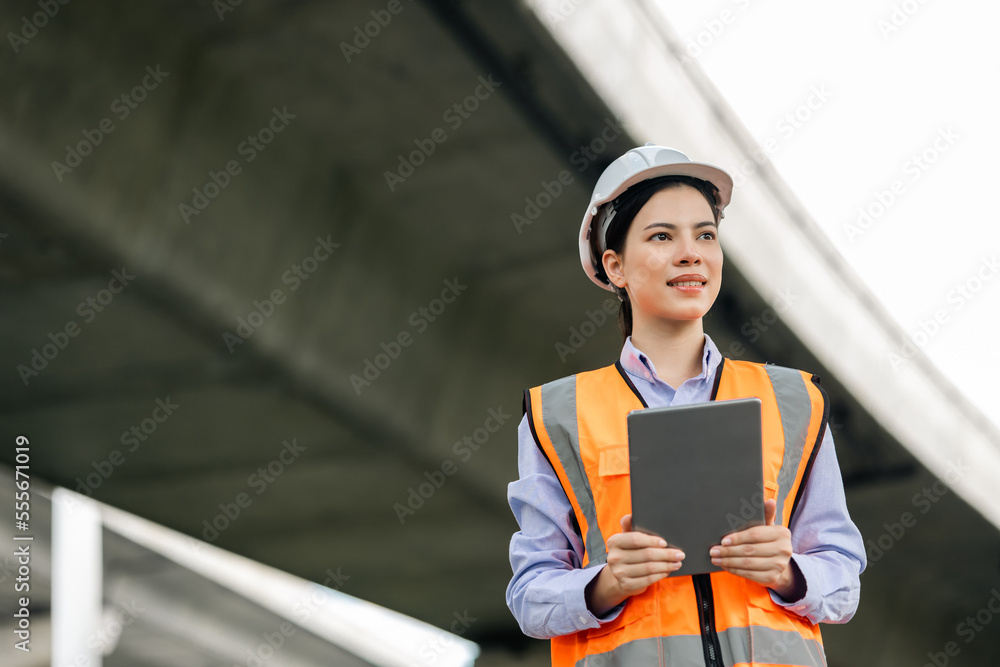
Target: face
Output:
[{"x": 671, "y": 263}]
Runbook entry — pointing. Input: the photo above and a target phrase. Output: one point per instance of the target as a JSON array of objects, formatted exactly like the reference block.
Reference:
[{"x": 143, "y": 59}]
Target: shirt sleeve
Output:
[
  {"x": 546, "y": 592},
  {"x": 826, "y": 545}
]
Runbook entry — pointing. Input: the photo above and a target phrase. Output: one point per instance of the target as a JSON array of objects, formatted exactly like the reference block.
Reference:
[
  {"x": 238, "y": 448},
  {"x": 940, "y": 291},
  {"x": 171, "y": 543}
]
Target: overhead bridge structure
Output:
[{"x": 337, "y": 241}]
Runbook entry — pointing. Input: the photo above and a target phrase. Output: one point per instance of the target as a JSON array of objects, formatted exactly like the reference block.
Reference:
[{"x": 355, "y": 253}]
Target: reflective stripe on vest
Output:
[
  {"x": 761, "y": 645},
  {"x": 579, "y": 423},
  {"x": 559, "y": 399},
  {"x": 794, "y": 406}
]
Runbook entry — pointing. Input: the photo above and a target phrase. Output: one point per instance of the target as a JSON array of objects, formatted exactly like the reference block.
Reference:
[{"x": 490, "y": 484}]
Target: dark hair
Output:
[{"x": 627, "y": 205}]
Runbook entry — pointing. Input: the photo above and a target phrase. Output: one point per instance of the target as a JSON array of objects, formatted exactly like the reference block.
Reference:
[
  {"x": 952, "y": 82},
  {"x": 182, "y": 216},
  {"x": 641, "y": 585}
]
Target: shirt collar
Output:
[{"x": 636, "y": 363}]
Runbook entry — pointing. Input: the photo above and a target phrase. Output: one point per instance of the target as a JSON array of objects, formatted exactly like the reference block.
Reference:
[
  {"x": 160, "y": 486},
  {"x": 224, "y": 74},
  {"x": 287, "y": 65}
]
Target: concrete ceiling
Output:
[{"x": 332, "y": 500}]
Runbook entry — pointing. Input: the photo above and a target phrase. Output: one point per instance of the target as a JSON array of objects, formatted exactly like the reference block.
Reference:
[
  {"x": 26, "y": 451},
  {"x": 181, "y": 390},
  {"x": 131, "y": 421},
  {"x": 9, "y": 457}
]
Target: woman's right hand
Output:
[{"x": 635, "y": 562}]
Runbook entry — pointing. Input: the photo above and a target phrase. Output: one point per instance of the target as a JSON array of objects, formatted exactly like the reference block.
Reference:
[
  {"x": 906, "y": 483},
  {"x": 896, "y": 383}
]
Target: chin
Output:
[{"x": 685, "y": 315}]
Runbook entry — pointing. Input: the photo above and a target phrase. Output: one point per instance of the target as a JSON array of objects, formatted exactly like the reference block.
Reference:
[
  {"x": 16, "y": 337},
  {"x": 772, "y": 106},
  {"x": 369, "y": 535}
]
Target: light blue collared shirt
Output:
[{"x": 546, "y": 593}]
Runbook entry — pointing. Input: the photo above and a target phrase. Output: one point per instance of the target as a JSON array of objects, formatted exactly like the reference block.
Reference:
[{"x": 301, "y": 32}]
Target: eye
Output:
[
  {"x": 710, "y": 235},
  {"x": 659, "y": 236}
]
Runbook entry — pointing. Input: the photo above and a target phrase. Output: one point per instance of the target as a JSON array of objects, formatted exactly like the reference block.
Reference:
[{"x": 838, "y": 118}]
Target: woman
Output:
[{"x": 583, "y": 578}]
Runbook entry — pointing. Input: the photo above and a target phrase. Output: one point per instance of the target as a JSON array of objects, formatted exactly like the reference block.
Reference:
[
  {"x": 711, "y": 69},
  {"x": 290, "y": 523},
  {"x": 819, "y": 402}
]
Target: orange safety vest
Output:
[{"x": 716, "y": 619}]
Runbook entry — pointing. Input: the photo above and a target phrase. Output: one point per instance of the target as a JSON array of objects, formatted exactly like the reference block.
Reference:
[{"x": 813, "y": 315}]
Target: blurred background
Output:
[{"x": 273, "y": 276}]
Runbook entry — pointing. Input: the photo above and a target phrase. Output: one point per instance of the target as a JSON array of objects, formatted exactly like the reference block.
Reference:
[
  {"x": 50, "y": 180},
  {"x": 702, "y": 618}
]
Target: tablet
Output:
[{"x": 696, "y": 474}]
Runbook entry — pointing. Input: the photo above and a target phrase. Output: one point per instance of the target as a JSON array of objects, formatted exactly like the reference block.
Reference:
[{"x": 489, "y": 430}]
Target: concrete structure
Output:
[{"x": 273, "y": 275}]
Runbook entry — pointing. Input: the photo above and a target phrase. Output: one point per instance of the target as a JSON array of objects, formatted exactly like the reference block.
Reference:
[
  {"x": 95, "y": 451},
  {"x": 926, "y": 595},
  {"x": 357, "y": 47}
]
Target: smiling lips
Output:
[{"x": 688, "y": 283}]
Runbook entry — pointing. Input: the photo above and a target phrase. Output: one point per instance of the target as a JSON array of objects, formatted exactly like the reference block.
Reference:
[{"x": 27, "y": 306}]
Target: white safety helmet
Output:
[{"x": 639, "y": 164}]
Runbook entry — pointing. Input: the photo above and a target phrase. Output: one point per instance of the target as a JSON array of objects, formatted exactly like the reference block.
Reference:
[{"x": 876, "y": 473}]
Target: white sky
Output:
[{"x": 889, "y": 95}]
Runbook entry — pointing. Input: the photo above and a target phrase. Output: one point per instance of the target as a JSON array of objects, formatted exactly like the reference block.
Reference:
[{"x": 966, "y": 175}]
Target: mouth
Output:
[{"x": 688, "y": 280}]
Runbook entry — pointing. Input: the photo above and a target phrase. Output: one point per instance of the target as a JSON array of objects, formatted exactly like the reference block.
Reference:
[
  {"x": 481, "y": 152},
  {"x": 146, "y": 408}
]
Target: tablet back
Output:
[{"x": 696, "y": 474}]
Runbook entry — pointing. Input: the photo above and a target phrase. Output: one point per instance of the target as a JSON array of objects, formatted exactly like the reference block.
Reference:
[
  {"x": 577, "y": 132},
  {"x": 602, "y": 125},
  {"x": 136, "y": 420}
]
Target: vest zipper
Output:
[{"x": 706, "y": 618}]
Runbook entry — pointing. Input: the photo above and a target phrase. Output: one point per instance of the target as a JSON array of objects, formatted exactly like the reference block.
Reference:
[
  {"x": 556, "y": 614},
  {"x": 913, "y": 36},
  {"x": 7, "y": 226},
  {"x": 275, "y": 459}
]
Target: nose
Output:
[{"x": 688, "y": 254}]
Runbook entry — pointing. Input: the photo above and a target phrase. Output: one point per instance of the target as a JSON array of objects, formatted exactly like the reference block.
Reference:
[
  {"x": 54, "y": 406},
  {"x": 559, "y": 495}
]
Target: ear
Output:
[{"x": 614, "y": 268}]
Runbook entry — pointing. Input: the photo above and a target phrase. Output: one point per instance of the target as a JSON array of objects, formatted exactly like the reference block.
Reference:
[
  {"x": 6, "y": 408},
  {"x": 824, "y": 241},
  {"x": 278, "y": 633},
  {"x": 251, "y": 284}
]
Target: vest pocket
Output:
[
  {"x": 613, "y": 460},
  {"x": 611, "y": 485}
]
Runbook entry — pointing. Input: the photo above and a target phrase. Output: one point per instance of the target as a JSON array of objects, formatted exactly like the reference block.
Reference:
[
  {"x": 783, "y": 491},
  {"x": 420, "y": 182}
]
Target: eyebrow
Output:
[{"x": 671, "y": 226}]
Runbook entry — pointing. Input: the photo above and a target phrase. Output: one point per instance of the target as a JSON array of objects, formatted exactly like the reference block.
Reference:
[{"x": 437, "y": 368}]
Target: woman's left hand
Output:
[{"x": 762, "y": 554}]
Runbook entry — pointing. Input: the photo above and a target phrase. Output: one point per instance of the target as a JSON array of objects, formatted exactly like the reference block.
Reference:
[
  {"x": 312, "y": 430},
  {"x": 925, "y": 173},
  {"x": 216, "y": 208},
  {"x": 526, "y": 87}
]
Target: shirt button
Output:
[{"x": 583, "y": 619}]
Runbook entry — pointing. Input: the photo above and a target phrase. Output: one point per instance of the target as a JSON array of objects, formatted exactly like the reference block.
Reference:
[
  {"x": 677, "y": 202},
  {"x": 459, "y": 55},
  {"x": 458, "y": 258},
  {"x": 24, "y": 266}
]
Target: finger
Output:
[
  {"x": 770, "y": 511},
  {"x": 632, "y": 573},
  {"x": 639, "y": 583},
  {"x": 642, "y": 569},
  {"x": 651, "y": 555},
  {"x": 627, "y": 523},
  {"x": 763, "y": 549},
  {"x": 756, "y": 535},
  {"x": 749, "y": 564},
  {"x": 636, "y": 540}
]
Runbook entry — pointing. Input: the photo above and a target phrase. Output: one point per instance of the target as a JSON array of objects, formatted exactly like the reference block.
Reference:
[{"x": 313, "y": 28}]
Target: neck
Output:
[{"x": 676, "y": 347}]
